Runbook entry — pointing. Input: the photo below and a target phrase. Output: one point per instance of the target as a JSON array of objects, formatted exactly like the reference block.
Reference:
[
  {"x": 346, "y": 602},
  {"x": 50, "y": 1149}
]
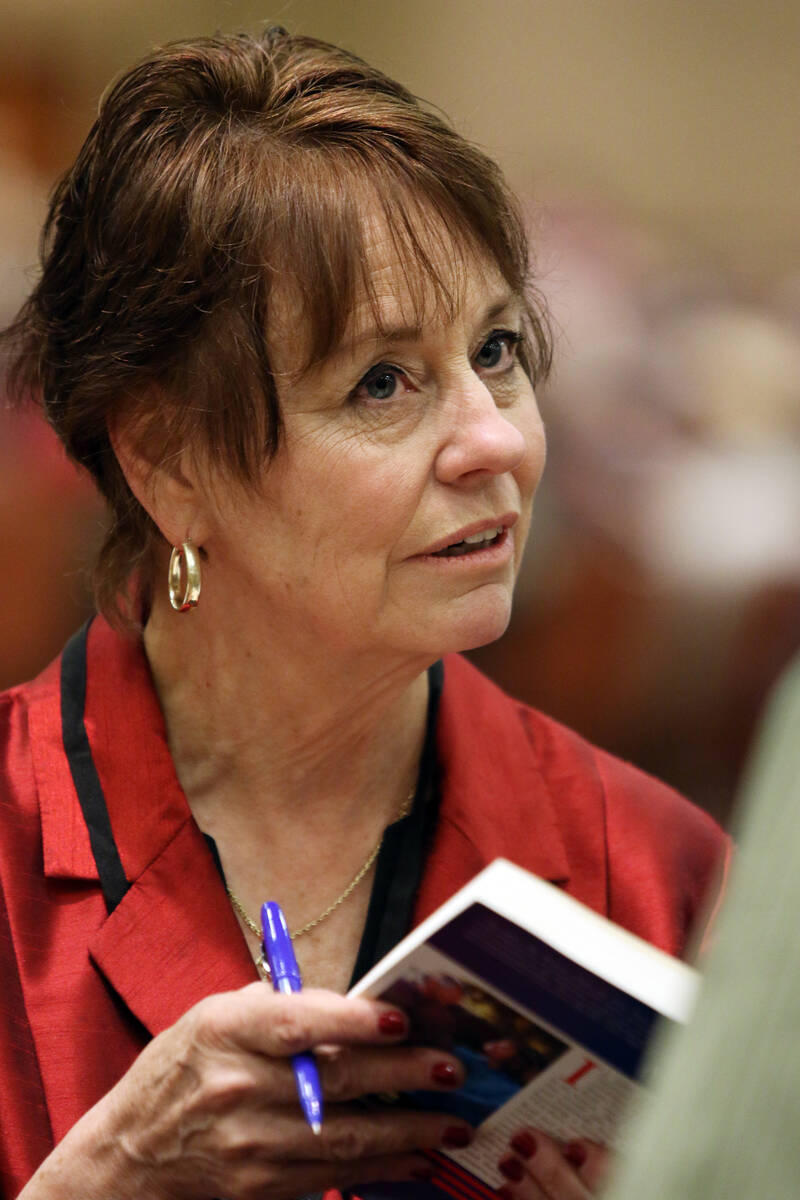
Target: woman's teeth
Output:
[{"x": 475, "y": 541}]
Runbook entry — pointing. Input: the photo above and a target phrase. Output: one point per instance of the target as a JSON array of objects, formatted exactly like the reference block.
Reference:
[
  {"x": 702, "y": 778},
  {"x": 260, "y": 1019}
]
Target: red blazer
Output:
[{"x": 82, "y": 990}]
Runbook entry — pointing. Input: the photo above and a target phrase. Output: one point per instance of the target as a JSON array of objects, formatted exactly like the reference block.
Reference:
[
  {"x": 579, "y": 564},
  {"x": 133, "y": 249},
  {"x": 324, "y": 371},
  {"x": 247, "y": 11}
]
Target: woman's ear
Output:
[{"x": 167, "y": 488}]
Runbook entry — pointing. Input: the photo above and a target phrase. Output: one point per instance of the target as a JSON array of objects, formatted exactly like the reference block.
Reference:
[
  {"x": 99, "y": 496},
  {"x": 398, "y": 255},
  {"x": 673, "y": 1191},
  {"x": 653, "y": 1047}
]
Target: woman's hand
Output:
[
  {"x": 210, "y": 1108},
  {"x": 538, "y": 1167}
]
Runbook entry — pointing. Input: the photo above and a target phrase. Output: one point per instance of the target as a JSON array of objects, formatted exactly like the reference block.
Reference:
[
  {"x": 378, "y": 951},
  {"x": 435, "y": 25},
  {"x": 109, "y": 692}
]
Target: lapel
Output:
[
  {"x": 499, "y": 796},
  {"x": 173, "y": 938}
]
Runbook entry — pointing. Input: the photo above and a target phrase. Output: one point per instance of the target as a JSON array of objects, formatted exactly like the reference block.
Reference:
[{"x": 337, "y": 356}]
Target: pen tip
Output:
[{"x": 316, "y": 1128}]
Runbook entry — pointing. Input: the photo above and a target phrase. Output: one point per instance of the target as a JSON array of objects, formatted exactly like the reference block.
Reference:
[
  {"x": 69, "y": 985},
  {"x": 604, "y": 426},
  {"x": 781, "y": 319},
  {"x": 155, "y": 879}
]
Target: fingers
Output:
[
  {"x": 269, "y": 1028},
  {"x": 348, "y": 1135},
  {"x": 351, "y": 1135},
  {"x": 346, "y": 1073},
  {"x": 278, "y": 1026},
  {"x": 538, "y": 1167},
  {"x": 590, "y": 1161}
]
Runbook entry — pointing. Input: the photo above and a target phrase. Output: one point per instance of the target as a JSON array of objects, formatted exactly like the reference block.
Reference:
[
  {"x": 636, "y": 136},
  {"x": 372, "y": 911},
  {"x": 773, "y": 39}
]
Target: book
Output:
[{"x": 549, "y": 1006}]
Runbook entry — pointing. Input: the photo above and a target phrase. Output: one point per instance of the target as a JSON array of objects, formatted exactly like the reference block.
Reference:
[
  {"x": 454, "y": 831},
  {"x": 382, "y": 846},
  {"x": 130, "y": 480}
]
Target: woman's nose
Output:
[{"x": 480, "y": 438}]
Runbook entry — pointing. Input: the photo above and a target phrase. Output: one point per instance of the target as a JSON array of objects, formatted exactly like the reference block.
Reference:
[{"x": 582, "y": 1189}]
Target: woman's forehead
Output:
[
  {"x": 400, "y": 314},
  {"x": 401, "y": 295},
  {"x": 411, "y": 284},
  {"x": 394, "y": 269},
  {"x": 397, "y": 296}
]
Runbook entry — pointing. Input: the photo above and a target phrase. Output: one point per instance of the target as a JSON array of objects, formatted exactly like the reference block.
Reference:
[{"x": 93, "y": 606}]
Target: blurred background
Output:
[{"x": 655, "y": 148}]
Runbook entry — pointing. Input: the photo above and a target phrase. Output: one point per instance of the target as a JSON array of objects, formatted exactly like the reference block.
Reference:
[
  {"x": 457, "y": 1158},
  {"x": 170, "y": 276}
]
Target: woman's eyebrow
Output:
[
  {"x": 508, "y": 300},
  {"x": 389, "y": 333}
]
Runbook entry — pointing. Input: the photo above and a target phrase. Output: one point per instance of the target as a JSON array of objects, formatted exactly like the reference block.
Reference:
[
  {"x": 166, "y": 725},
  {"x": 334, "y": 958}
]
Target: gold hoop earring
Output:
[{"x": 186, "y": 554}]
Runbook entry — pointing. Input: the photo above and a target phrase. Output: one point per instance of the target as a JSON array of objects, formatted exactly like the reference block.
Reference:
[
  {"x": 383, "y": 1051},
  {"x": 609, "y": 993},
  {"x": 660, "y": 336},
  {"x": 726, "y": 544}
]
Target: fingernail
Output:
[
  {"x": 393, "y": 1024},
  {"x": 505, "y": 1193},
  {"x": 445, "y": 1073},
  {"x": 512, "y": 1168},
  {"x": 524, "y": 1143},
  {"x": 575, "y": 1154},
  {"x": 457, "y": 1136}
]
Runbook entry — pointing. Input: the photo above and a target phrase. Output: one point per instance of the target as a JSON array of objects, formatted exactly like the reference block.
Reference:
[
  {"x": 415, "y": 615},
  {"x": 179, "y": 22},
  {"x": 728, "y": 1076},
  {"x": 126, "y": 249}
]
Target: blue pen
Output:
[{"x": 285, "y": 975}]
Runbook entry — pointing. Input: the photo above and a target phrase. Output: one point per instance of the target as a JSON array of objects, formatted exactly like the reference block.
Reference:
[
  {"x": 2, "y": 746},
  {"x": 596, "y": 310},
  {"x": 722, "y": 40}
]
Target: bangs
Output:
[{"x": 335, "y": 206}]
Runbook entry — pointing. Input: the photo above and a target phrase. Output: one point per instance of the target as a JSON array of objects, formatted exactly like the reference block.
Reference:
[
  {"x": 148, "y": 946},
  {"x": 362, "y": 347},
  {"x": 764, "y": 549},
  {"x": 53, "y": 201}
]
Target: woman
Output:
[{"x": 283, "y": 321}]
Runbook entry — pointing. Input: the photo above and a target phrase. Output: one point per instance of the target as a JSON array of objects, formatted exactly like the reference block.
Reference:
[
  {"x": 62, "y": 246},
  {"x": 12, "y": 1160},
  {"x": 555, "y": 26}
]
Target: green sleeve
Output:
[{"x": 721, "y": 1122}]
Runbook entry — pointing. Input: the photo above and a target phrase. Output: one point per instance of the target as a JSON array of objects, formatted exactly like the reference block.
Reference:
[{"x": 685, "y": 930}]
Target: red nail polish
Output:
[
  {"x": 512, "y": 1168},
  {"x": 575, "y": 1154},
  {"x": 505, "y": 1193},
  {"x": 393, "y": 1024},
  {"x": 457, "y": 1136},
  {"x": 524, "y": 1143},
  {"x": 445, "y": 1073}
]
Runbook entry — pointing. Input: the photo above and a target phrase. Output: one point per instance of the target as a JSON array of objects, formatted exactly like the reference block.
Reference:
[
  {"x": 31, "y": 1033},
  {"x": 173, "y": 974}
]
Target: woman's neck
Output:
[{"x": 283, "y": 732}]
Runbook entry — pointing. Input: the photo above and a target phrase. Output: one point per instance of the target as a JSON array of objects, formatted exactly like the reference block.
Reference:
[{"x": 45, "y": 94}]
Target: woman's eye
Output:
[
  {"x": 380, "y": 384},
  {"x": 498, "y": 350},
  {"x": 381, "y": 387}
]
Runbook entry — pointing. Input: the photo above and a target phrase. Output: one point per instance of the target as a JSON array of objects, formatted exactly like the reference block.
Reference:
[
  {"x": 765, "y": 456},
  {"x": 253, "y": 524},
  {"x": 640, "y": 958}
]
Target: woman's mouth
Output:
[
  {"x": 488, "y": 543},
  {"x": 473, "y": 543}
]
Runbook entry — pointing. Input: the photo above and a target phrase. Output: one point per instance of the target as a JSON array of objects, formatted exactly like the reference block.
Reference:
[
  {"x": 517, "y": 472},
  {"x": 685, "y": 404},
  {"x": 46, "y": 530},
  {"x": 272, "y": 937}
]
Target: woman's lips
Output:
[
  {"x": 472, "y": 539},
  {"x": 497, "y": 551},
  {"x": 472, "y": 544}
]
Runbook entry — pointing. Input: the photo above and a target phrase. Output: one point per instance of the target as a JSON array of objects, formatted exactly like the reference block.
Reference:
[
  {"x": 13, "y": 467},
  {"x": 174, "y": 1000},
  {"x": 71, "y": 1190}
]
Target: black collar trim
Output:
[{"x": 84, "y": 773}]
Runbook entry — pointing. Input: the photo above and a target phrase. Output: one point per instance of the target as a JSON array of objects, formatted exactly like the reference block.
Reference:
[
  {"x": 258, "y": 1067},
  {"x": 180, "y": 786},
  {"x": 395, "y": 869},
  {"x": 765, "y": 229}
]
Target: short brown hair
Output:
[{"x": 214, "y": 168}]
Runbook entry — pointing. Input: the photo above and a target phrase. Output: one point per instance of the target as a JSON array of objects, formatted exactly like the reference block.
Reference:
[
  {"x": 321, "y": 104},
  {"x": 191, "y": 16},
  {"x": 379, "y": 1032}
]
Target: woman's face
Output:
[{"x": 394, "y": 516}]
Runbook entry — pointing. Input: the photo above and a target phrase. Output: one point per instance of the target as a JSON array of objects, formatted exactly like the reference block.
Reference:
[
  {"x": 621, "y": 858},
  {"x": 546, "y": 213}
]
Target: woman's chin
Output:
[{"x": 480, "y": 622}]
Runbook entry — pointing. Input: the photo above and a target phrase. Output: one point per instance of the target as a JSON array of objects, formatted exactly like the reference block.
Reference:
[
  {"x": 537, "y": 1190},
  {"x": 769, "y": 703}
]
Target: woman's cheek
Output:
[{"x": 535, "y": 436}]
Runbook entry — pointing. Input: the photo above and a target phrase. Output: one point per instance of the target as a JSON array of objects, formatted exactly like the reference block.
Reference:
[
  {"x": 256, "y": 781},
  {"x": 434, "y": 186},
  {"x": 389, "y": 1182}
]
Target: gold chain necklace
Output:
[{"x": 340, "y": 899}]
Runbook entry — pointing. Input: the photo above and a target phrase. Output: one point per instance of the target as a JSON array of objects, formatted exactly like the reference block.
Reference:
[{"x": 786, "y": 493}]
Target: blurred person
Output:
[
  {"x": 722, "y": 1124},
  {"x": 49, "y": 513},
  {"x": 49, "y": 519},
  {"x": 284, "y": 321}
]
